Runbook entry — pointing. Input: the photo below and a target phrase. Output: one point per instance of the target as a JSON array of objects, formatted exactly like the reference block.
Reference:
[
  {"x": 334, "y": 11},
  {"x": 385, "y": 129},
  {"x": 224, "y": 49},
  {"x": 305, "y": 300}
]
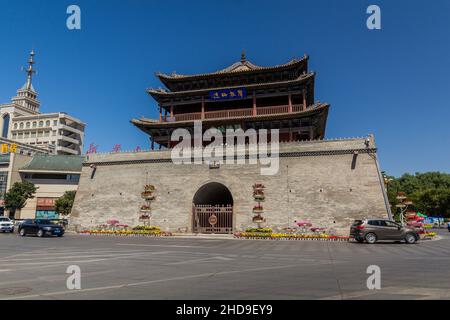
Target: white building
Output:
[{"x": 22, "y": 121}]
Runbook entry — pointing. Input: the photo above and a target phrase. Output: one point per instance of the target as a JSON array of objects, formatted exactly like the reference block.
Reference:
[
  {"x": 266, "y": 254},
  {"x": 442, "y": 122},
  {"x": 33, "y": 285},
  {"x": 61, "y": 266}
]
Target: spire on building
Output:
[
  {"x": 30, "y": 71},
  {"x": 26, "y": 96}
]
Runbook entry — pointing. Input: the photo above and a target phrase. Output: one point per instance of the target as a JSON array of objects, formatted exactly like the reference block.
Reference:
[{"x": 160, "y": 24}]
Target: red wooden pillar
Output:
[
  {"x": 290, "y": 102},
  {"x": 171, "y": 112},
  {"x": 254, "y": 104},
  {"x": 203, "y": 107},
  {"x": 160, "y": 114}
]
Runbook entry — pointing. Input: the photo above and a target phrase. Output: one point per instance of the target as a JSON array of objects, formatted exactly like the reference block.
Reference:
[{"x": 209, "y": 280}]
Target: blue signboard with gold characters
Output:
[{"x": 228, "y": 94}]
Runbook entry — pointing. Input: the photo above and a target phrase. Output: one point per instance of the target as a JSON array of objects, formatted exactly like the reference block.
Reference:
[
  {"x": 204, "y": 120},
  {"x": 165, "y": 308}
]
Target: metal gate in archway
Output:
[{"x": 213, "y": 219}]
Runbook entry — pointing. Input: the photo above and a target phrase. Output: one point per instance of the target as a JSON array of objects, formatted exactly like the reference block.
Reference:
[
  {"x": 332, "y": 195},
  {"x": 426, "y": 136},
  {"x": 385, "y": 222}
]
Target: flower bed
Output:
[
  {"x": 147, "y": 228},
  {"x": 149, "y": 231},
  {"x": 430, "y": 234},
  {"x": 259, "y": 230},
  {"x": 288, "y": 236},
  {"x": 146, "y": 233}
]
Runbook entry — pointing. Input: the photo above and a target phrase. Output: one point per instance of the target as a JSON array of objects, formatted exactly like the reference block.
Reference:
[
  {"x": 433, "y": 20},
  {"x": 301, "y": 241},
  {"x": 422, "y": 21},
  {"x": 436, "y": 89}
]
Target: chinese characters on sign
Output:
[
  {"x": 6, "y": 148},
  {"x": 228, "y": 94}
]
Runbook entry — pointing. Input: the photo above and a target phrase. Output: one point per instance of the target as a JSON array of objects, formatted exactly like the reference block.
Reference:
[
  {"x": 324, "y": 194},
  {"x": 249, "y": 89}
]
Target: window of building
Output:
[
  {"x": 47, "y": 123},
  {"x": 41, "y": 123},
  {"x": 34, "y": 124},
  {"x": 14, "y": 135},
  {"x": 27, "y": 135},
  {"x": 3, "y": 182},
  {"x": 15, "y": 125},
  {"x": 21, "y": 125},
  {"x": 46, "y": 133},
  {"x": 6, "y": 119},
  {"x": 27, "y": 125},
  {"x": 55, "y": 122},
  {"x": 54, "y": 133},
  {"x": 20, "y": 135},
  {"x": 40, "y": 133},
  {"x": 33, "y": 134}
]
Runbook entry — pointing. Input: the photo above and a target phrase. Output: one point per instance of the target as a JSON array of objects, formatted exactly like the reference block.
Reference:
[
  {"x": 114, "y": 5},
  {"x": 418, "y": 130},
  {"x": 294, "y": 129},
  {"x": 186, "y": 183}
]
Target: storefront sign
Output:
[
  {"x": 43, "y": 214},
  {"x": 8, "y": 148},
  {"x": 46, "y": 202},
  {"x": 228, "y": 94}
]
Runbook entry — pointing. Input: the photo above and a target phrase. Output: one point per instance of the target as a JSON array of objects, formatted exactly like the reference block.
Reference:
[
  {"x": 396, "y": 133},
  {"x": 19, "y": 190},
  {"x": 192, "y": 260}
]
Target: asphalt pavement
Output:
[{"x": 208, "y": 268}]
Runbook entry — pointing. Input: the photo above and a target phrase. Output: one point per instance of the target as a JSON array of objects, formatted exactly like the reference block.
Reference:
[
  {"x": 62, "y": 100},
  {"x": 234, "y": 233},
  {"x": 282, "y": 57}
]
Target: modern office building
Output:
[
  {"x": 53, "y": 175},
  {"x": 22, "y": 121}
]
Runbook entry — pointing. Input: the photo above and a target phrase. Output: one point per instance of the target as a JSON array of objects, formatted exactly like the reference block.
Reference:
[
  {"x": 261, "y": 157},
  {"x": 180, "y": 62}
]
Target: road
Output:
[{"x": 173, "y": 268}]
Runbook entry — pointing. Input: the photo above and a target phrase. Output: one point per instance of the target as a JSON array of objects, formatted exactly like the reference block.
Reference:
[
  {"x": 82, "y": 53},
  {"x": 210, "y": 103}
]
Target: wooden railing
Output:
[{"x": 223, "y": 114}]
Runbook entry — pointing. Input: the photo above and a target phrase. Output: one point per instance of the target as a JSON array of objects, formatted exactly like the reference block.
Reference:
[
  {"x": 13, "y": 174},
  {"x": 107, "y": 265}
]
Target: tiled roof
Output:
[
  {"x": 58, "y": 163},
  {"x": 237, "y": 67},
  {"x": 160, "y": 92}
]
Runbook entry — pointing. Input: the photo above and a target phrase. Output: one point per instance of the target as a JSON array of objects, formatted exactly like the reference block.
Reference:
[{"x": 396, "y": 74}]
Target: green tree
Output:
[
  {"x": 64, "y": 204},
  {"x": 17, "y": 196},
  {"x": 430, "y": 192}
]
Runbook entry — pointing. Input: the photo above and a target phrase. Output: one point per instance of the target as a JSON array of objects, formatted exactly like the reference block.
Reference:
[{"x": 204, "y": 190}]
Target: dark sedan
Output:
[{"x": 41, "y": 228}]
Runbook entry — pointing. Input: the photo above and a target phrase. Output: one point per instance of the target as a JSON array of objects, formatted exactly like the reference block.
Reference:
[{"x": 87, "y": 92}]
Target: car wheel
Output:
[
  {"x": 40, "y": 233},
  {"x": 371, "y": 238},
  {"x": 22, "y": 232},
  {"x": 410, "y": 238}
]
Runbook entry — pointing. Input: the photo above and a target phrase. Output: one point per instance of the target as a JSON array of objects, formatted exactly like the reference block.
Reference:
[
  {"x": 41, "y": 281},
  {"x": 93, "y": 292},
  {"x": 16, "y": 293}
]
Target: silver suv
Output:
[
  {"x": 6, "y": 225},
  {"x": 373, "y": 230}
]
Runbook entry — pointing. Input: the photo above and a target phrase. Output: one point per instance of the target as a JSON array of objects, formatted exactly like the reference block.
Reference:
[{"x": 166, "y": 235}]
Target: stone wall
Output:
[{"x": 330, "y": 183}]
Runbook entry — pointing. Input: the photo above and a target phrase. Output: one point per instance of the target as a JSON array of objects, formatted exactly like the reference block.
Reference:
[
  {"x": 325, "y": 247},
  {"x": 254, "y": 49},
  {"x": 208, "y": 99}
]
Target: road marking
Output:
[
  {"x": 212, "y": 259},
  {"x": 55, "y": 253},
  {"x": 53, "y": 278},
  {"x": 143, "y": 283},
  {"x": 81, "y": 261},
  {"x": 157, "y": 245},
  {"x": 422, "y": 293},
  {"x": 105, "y": 255}
]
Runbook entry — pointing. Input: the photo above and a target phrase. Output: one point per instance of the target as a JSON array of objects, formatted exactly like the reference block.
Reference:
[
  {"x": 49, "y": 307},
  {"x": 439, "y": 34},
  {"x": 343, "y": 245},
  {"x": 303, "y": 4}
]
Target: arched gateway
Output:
[{"x": 213, "y": 209}]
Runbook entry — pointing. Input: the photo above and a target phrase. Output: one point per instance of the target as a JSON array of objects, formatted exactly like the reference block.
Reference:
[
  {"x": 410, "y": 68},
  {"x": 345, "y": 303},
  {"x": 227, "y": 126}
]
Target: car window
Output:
[
  {"x": 43, "y": 221},
  {"x": 4, "y": 219},
  {"x": 28, "y": 221},
  {"x": 392, "y": 224},
  {"x": 382, "y": 223},
  {"x": 373, "y": 223}
]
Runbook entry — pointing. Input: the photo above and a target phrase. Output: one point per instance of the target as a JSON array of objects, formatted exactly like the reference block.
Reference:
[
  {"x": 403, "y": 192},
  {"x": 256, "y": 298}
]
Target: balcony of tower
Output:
[{"x": 251, "y": 107}]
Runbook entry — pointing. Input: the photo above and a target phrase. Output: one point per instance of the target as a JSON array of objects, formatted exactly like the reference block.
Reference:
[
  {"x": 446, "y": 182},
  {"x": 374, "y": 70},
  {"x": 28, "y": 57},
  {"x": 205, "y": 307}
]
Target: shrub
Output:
[{"x": 259, "y": 230}]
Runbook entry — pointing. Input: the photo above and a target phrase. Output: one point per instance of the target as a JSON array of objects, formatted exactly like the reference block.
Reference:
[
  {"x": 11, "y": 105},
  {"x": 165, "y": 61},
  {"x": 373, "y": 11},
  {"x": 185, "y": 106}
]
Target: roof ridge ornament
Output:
[{"x": 243, "y": 57}]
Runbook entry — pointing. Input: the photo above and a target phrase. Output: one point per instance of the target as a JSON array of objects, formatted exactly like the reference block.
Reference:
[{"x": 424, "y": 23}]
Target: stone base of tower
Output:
[{"x": 329, "y": 183}]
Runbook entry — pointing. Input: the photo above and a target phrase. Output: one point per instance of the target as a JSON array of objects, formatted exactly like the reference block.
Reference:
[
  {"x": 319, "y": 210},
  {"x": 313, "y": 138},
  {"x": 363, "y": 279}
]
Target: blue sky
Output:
[{"x": 392, "y": 82}]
